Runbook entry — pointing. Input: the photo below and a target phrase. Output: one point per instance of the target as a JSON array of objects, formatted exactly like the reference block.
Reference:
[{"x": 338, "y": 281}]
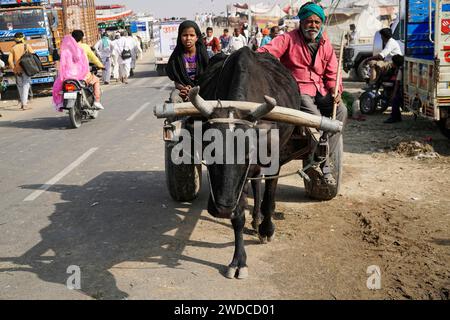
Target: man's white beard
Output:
[{"x": 308, "y": 35}]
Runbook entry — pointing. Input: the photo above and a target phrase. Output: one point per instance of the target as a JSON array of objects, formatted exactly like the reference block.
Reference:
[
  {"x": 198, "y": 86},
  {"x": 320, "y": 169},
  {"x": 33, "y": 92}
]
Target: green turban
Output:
[{"x": 310, "y": 9}]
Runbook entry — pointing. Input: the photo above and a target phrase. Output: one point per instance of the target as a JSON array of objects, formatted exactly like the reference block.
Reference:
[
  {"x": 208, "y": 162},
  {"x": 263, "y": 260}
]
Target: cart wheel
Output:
[
  {"x": 319, "y": 190},
  {"x": 184, "y": 180}
]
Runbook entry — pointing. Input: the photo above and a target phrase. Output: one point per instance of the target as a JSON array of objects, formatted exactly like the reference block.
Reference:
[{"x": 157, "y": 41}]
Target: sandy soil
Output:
[{"x": 393, "y": 212}]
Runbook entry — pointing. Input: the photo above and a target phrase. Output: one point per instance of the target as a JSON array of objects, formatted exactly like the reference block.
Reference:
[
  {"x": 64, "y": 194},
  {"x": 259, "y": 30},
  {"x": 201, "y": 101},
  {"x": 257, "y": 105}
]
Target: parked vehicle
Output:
[
  {"x": 32, "y": 19},
  {"x": 427, "y": 60},
  {"x": 44, "y": 24},
  {"x": 165, "y": 36},
  {"x": 376, "y": 98}
]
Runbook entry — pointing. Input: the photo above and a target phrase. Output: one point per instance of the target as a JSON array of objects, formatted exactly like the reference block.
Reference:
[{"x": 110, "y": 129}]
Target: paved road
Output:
[
  {"x": 91, "y": 197},
  {"x": 96, "y": 198}
]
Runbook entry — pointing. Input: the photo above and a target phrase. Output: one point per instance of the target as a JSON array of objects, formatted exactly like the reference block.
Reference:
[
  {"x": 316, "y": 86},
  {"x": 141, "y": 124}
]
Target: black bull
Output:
[{"x": 246, "y": 76}]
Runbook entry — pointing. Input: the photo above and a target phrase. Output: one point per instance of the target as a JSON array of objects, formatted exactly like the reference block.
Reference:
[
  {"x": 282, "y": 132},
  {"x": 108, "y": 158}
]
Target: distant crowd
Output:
[{"x": 240, "y": 37}]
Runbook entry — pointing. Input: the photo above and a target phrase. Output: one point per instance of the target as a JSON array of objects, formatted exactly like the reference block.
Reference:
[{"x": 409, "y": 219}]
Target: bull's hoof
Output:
[
  {"x": 270, "y": 239},
  {"x": 231, "y": 272},
  {"x": 263, "y": 239},
  {"x": 255, "y": 224},
  {"x": 243, "y": 273}
]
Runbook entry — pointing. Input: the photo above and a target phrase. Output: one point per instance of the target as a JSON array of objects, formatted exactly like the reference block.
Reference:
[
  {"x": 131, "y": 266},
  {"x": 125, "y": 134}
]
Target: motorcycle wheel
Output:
[
  {"x": 367, "y": 104},
  {"x": 75, "y": 115},
  {"x": 95, "y": 114}
]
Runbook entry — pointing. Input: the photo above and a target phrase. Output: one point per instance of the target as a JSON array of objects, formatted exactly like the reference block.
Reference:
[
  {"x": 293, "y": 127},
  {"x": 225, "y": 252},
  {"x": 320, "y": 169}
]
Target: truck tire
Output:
[
  {"x": 184, "y": 180},
  {"x": 315, "y": 188},
  {"x": 443, "y": 127},
  {"x": 161, "y": 70}
]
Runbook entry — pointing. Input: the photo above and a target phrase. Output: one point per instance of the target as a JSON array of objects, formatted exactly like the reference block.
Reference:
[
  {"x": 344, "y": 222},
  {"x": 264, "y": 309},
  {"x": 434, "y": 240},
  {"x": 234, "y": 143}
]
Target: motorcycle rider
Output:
[{"x": 91, "y": 79}]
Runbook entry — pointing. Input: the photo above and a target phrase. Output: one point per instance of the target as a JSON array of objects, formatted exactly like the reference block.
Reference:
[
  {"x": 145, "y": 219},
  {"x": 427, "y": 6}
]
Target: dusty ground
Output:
[{"x": 393, "y": 212}]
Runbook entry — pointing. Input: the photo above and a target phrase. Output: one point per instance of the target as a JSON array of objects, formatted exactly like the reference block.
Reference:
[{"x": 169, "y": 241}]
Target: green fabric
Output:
[{"x": 310, "y": 9}]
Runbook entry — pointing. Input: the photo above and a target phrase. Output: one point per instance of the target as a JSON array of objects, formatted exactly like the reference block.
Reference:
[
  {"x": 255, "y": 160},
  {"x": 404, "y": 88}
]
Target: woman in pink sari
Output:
[{"x": 74, "y": 65}]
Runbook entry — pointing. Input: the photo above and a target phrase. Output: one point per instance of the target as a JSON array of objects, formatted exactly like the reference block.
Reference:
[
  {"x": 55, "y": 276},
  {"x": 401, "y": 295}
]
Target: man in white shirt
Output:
[
  {"x": 352, "y": 36},
  {"x": 237, "y": 41},
  {"x": 382, "y": 62}
]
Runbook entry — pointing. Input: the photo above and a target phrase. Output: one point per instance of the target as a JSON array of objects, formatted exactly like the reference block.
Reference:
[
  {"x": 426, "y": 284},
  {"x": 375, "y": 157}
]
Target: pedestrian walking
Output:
[
  {"x": 136, "y": 53},
  {"x": 23, "y": 81},
  {"x": 237, "y": 41},
  {"x": 123, "y": 50},
  {"x": 115, "y": 57},
  {"x": 104, "y": 48}
]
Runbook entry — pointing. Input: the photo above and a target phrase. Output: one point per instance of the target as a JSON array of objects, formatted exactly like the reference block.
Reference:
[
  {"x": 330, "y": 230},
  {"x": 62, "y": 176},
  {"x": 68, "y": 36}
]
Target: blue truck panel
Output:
[{"x": 418, "y": 44}]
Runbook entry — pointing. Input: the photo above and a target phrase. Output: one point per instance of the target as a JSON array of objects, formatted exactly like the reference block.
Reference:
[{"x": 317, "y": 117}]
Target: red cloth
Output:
[
  {"x": 293, "y": 53},
  {"x": 214, "y": 44}
]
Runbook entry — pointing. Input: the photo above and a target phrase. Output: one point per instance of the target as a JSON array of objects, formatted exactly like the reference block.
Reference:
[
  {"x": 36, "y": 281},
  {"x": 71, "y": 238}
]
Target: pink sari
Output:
[{"x": 74, "y": 64}]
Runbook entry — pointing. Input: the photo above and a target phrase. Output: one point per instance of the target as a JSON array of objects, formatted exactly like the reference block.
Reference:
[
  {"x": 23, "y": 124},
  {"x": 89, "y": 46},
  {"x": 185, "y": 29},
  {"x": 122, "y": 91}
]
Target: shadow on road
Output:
[
  {"x": 117, "y": 217},
  {"x": 49, "y": 123}
]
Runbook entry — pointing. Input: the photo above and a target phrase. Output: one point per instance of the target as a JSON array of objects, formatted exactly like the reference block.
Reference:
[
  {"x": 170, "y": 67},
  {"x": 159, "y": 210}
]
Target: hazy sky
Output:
[{"x": 178, "y": 8}]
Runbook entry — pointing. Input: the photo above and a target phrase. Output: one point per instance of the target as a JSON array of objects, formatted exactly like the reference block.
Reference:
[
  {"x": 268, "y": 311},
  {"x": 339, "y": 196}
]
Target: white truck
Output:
[{"x": 165, "y": 36}]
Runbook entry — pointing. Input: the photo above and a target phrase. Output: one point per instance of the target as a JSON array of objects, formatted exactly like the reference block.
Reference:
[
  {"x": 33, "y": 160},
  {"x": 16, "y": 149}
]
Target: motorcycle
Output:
[
  {"x": 79, "y": 101},
  {"x": 376, "y": 98}
]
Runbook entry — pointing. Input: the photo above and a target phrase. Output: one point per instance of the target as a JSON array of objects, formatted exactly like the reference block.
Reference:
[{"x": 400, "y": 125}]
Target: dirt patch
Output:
[{"x": 391, "y": 213}]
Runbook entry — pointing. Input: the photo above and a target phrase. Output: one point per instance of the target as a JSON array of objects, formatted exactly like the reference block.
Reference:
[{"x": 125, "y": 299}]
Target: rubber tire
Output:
[
  {"x": 161, "y": 70},
  {"x": 315, "y": 189},
  {"x": 445, "y": 131},
  {"x": 183, "y": 181},
  {"x": 360, "y": 72},
  {"x": 75, "y": 121},
  {"x": 368, "y": 107}
]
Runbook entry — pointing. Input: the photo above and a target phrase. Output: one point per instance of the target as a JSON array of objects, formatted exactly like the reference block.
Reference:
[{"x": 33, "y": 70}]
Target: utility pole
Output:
[{"x": 249, "y": 13}]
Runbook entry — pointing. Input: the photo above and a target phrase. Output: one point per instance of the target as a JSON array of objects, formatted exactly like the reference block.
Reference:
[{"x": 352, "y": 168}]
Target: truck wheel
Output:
[
  {"x": 317, "y": 189},
  {"x": 367, "y": 103},
  {"x": 161, "y": 70},
  {"x": 184, "y": 180},
  {"x": 444, "y": 129}
]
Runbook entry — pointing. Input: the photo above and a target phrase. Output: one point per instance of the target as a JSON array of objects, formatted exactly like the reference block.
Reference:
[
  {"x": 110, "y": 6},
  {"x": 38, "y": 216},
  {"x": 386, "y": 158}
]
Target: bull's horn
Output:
[
  {"x": 264, "y": 108},
  {"x": 199, "y": 103}
]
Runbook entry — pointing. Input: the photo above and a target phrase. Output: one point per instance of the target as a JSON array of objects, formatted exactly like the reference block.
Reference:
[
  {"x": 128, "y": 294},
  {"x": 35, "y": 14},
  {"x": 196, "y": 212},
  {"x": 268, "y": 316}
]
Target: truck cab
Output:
[{"x": 32, "y": 19}]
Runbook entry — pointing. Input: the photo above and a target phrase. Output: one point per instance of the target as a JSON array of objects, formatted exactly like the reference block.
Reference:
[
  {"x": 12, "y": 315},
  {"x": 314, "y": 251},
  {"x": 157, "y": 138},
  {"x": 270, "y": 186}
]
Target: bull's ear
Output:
[{"x": 262, "y": 109}]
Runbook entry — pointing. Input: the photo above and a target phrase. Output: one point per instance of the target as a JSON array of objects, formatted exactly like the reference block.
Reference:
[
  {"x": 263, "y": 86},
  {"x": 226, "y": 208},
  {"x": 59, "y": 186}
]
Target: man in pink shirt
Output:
[{"x": 309, "y": 55}]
